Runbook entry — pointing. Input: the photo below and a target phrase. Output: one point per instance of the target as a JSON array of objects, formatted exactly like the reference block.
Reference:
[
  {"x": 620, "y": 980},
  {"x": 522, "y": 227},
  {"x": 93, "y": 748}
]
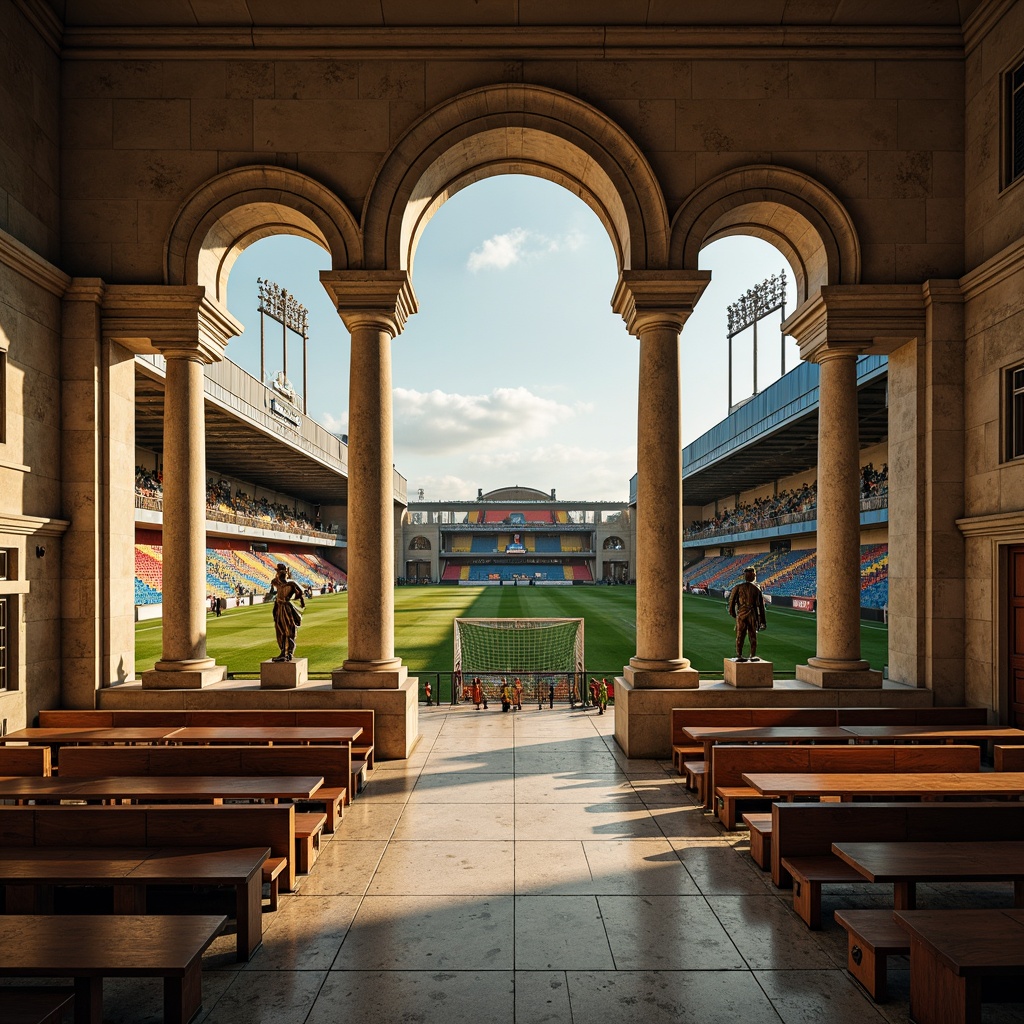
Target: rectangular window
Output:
[
  {"x": 1015, "y": 124},
  {"x": 1015, "y": 413},
  {"x": 3, "y": 643}
]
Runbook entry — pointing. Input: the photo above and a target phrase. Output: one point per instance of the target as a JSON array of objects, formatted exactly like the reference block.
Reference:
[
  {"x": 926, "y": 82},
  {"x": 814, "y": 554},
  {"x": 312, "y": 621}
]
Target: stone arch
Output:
[
  {"x": 613, "y": 544},
  {"x": 797, "y": 214},
  {"x": 228, "y": 213},
  {"x": 419, "y": 543},
  {"x": 520, "y": 129}
]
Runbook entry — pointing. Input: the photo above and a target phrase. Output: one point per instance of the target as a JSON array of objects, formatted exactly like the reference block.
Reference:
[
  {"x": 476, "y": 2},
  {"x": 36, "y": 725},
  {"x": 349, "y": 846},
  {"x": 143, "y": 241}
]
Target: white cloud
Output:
[
  {"x": 499, "y": 252},
  {"x": 335, "y": 424},
  {"x": 439, "y": 423}
]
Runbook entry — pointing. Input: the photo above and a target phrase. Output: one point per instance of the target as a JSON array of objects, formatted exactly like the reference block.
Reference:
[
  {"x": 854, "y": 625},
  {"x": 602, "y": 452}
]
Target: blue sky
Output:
[{"x": 515, "y": 370}]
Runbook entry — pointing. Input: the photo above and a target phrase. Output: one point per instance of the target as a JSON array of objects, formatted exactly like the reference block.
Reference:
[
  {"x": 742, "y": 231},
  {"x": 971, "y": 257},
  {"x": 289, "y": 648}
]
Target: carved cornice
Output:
[
  {"x": 32, "y": 526},
  {"x": 382, "y": 299},
  {"x": 30, "y": 265},
  {"x": 1007, "y": 526},
  {"x": 644, "y": 297},
  {"x": 983, "y": 20},
  {"x": 514, "y": 42},
  {"x": 857, "y": 318},
  {"x": 174, "y": 320},
  {"x": 44, "y": 20},
  {"x": 994, "y": 271}
]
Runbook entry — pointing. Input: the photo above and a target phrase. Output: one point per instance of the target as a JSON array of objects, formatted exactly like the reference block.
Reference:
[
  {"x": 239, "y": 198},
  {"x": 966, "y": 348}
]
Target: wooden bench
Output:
[
  {"x": 960, "y": 958},
  {"x": 309, "y": 829},
  {"x": 166, "y": 825},
  {"x": 696, "y": 777},
  {"x": 363, "y": 749},
  {"x": 25, "y": 761},
  {"x": 1008, "y": 759},
  {"x": 332, "y": 762},
  {"x": 760, "y": 825},
  {"x": 24, "y": 1004},
  {"x": 872, "y": 936},
  {"x": 90, "y": 948},
  {"x": 803, "y": 834},
  {"x": 731, "y": 761}
]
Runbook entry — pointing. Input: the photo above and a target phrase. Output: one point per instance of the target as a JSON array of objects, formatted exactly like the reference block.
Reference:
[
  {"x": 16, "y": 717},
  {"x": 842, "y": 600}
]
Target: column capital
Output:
[
  {"x": 383, "y": 299},
  {"x": 645, "y": 298},
  {"x": 176, "y": 321},
  {"x": 855, "y": 319}
]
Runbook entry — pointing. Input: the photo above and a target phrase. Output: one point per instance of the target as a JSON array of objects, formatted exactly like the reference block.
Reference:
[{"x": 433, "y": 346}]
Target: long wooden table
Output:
[
  {"x": 904, "y": 864},
  {"x": 265, "y": 734},
  {"x": 55, "y": 736},
  {"x": 936, "y": 733},
  {"x": 130, "y": 870},
  {"x": 145, "y": 788},
  {"x": 952, "y": 951},
  {"x": 709, "y": 735},
  {"x": 898, "y": 784},
  {"x": 90, "y": 948}
]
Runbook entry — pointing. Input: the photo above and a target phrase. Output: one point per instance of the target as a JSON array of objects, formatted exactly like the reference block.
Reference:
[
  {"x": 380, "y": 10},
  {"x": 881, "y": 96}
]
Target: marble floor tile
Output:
[
  {"x": 344, "y": 868},
  {"x": 269, "y": 997},
  {"x": 560, "y": 933},
  {"x": 620, "y": 820},
  {"x": 542, "y": 997},
  {"x": 573, "y": 787},
  {"x": 556, "y": 867},
  {"x": 717, "y": 867},
  {"x": 471, "y": 788},
  {"x": 369, "y": 820},
  {"x": 305, "y": 934},
  {"x": 487, "y": 762},
  {"x": 457, "y": 822},
  {"x": 673, "y": 933},
  {"x": 387, "y": 788},
  {"x": 430, "y": 933},
  {"x": 426, "y": 867},
  {"x": 532, "y": 763},
  {"x": 423, "y": 997},
  {"x": 141, "y": 1000},
  {"x": 637, "y": 867},
  {"x": 803, "y": 997}
]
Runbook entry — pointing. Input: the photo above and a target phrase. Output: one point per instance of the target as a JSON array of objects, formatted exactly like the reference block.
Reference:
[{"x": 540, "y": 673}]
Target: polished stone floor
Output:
[{"x": 517, "y": 868}]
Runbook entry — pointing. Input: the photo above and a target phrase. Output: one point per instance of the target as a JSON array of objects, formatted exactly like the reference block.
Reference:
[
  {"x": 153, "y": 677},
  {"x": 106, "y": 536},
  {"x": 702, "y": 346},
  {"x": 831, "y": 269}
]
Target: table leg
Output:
[
  {"x": 249, "y": 915},
  {"x": 129, "y": 899},
  {"x": 1018, "y": 894},
  {"x": 183, "y": 996},
  {"x": 88, "y": 1001},
  {"x": 904, "y": 895},
  {"x": 937, "y": 995},
  {"x": 21, "y": 899},
  {"x": 709, "y": 788}
]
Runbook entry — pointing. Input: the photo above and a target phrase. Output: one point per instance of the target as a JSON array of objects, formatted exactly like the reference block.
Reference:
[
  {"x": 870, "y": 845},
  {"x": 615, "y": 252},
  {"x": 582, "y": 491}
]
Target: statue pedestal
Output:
[
  {"x": 748, "y": 673},
  {"x": 284, "y": 675}
]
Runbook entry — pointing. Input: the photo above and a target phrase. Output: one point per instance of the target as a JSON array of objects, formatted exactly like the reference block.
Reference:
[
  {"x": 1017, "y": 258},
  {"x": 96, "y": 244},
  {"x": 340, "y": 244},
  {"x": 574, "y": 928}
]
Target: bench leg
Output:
[
  {"x": 249, "y": 916},
  {"x": 305, "y": 857},
  {"x": 129, "y": 899},
  {"x": 274, "y": 888},
  {"x": 867, "y": 967},
  {"x": 88, "y": 1001},
  {"x": 727, "y": 812},
  {"x": 904, "y": 896},
  {"x": 761, "y": 849},
  {"x": 1018, "y": 894},
  {"x": 334, "y": 815},
  {"x": 937, "y": 995},
  {"x": 807, "y": 902},
  {"x": 183, "y": 996},
  {"x": 21, "y": 899}
]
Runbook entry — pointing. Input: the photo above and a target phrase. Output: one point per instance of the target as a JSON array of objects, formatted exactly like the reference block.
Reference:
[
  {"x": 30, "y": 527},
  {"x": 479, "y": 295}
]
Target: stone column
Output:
[
  {"x": 655, "y": 305},
  {"x": 833, "y": 328},
  {"x": 374, "y": 306},
  {"x": 189, "y": 331}
]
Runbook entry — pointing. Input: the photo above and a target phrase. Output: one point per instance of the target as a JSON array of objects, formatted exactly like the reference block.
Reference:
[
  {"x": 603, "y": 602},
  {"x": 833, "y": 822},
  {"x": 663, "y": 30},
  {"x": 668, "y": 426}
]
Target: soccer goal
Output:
[{"x": 546, "y": 655}]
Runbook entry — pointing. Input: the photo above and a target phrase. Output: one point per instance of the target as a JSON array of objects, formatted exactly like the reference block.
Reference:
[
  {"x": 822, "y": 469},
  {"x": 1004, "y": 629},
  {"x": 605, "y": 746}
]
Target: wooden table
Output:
[
  {"x": 709, "y": 735},
  {"x": 90, "y": 948},
  {"x": 129, "y": 870},
  {"x": 907, "y": 863},
  {"x": 951, "y": 951},
  {"x": 145, "y": 788},
  {"x": 937, "y": 733},
  {"x": 266, "y": 734},
  {"x": 120, "y": 734},
  {"x": 895, "y": 784}
]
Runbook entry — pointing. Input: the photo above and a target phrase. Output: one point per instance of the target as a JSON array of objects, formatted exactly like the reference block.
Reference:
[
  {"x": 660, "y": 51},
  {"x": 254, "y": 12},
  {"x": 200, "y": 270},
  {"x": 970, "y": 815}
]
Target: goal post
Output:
[{"x": 545, "y": 654}]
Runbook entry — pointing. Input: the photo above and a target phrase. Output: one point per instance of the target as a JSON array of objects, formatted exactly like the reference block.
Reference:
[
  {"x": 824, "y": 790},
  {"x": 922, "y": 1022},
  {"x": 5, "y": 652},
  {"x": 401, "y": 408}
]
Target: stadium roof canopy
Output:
[{"x": 775, "y": 434}]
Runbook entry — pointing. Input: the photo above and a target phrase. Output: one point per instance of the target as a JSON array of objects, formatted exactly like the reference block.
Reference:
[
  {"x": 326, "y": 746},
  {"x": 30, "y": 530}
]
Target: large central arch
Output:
[{"x": 515, "y": 129}]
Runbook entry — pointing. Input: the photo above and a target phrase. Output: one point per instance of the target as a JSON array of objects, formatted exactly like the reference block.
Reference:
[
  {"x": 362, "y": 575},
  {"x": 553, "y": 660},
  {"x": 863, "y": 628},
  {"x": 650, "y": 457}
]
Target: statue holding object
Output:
[{"x": 287, "y": 618}]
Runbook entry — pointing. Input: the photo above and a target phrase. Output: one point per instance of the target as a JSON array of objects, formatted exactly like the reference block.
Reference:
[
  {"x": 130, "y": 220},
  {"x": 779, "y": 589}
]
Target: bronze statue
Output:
[
  {"x": 287, "y": 618},
  {"x": 746, "y": 606}
]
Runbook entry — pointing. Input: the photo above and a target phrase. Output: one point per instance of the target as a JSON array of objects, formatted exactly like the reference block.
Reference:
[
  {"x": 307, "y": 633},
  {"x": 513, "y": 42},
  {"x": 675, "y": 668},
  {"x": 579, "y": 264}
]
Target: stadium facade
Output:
[{"x": 877, "y": 145}]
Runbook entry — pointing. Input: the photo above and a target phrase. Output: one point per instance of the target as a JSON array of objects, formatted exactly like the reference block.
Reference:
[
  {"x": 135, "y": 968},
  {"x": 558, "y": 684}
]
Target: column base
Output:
[
  {"x": 385, "y": 674},
  {"x": 645, "y": 674},
  {"x": 396, "y": 721},
  {"x": 184, "y": 675},
  {"x": 748, "y": 673},
  {"x": 832, "y": 675},
  {"x": 643, "y": 714},
  {"x": 283, "y": 675}
]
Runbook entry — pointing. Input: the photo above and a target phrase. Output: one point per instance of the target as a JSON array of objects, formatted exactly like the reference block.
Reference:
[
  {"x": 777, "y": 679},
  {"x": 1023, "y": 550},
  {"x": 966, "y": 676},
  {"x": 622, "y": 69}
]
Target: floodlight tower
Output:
[{"x": 760, "y": 301}]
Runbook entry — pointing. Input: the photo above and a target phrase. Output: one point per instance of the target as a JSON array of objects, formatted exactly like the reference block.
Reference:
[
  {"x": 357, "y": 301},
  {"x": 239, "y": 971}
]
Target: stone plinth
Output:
[
  {"x": 839, "y": 679},
  {"x": 283, "y": 675},
  {"x": 183, "y": 675},
  {"x": 748, "y": 673}
]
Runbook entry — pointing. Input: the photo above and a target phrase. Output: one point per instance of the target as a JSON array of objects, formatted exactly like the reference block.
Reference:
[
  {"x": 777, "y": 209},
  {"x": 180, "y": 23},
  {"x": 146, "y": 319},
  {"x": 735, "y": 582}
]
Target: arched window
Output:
[
  {"x": 419, "y": 544},
  {"x": 614, "y": 544}
]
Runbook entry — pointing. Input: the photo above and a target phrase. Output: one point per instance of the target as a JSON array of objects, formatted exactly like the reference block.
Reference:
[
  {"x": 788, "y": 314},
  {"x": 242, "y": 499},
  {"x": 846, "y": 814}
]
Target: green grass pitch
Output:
[{"x": 243, "y": 637}]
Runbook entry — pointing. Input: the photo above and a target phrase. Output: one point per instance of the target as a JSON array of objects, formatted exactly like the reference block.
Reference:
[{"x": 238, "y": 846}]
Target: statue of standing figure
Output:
[
  {"x": 287, "y": 618},
  {"x": 746, "y": 606}
]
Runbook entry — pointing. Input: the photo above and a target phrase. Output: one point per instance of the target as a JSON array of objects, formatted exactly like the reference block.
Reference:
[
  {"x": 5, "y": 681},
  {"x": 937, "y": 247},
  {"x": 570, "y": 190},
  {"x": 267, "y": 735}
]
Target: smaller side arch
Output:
[
  {"x": 229, "y": 212},
  {"x": 797, "y": 214}
]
